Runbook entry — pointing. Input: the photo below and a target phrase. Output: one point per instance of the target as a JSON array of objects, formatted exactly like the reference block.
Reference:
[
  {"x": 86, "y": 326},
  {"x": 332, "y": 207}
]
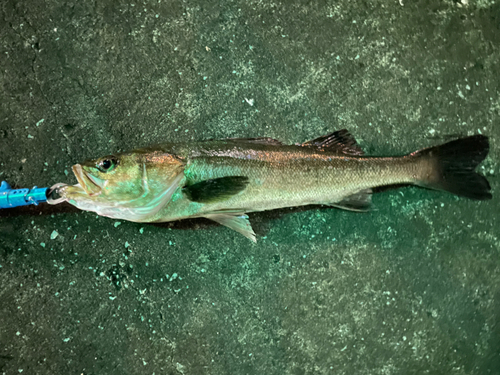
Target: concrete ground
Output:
[{"x": 412, "y": 287}]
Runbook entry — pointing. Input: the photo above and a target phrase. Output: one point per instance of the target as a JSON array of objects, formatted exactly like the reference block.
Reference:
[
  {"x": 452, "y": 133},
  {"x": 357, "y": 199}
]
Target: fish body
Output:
[{"x": 225, "y": 179}]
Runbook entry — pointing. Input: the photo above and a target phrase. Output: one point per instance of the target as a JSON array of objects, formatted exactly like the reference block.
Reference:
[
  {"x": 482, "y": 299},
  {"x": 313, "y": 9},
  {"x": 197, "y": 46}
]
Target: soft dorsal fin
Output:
[
  {"x": 217, "y": 189},
  {"x": 341, "y": 141}
]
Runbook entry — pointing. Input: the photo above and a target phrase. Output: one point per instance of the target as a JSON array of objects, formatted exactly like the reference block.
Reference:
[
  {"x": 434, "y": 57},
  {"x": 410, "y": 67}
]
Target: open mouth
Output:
[{"x": 91, "y": 184}]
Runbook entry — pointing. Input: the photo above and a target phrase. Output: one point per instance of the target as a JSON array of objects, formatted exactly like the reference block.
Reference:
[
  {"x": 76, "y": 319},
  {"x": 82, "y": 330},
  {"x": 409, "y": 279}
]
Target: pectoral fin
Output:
[
  {"x": 215, "y": 190},
  {"x": 236, "y": 221},
  {"x": 360, "y": 201}
]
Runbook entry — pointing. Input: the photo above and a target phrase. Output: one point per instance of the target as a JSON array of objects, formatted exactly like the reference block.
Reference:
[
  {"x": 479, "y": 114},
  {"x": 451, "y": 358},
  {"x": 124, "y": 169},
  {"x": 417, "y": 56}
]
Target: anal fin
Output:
[
  {"x": 237, "y": 221},
  {"x": 360, "y": 201}
]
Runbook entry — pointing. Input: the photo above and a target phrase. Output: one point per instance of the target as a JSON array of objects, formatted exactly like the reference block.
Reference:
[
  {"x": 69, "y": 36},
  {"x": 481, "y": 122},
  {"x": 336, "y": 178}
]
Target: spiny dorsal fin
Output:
[
  {"x": 341, "y": 141},
  {"x": 236, "y": 221},
  {"x": 215, "y": 190}
]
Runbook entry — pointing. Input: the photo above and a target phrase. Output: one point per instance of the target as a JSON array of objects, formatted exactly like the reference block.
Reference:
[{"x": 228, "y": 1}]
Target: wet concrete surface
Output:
[{"x": 412, "y": 287}]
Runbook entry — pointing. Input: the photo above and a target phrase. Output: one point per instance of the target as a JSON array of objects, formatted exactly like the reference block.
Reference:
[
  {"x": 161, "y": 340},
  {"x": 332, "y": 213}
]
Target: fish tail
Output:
[{"x": 451, "y": 167}]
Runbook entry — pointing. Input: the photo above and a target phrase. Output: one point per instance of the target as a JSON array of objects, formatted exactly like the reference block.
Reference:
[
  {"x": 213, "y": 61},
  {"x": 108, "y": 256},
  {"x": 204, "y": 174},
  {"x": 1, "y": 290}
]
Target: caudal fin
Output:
[{"x": 454, "y": 165}]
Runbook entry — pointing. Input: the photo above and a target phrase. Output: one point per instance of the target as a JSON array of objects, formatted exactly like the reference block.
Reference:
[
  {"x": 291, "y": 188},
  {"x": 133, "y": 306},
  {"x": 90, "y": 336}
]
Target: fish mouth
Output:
[{"x": 92, "y": 185}]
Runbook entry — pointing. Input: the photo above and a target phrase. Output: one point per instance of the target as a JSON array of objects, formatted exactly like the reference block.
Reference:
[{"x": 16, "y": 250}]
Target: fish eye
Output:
[{"x": 107, "y": 164}]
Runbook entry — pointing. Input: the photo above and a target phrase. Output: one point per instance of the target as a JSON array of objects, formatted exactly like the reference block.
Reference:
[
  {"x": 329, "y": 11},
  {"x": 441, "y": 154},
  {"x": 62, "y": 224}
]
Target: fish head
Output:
[
  {"x": 132, "y": 186},
  {"x": 112, "y": 177}
]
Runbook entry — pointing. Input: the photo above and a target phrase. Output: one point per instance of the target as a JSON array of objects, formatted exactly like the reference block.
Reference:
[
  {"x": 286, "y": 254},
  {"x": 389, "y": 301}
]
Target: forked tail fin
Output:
[{"x": 454, "y": 165}]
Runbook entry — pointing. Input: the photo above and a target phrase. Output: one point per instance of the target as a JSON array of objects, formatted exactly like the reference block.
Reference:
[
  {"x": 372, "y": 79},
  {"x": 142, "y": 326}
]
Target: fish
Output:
[{"x": 224, "y": 180}]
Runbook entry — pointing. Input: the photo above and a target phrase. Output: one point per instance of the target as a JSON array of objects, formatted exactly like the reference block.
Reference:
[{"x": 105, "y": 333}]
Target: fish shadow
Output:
[
  {"x": 261, "y": 221},
  {"x": 42, "y": 209}
]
